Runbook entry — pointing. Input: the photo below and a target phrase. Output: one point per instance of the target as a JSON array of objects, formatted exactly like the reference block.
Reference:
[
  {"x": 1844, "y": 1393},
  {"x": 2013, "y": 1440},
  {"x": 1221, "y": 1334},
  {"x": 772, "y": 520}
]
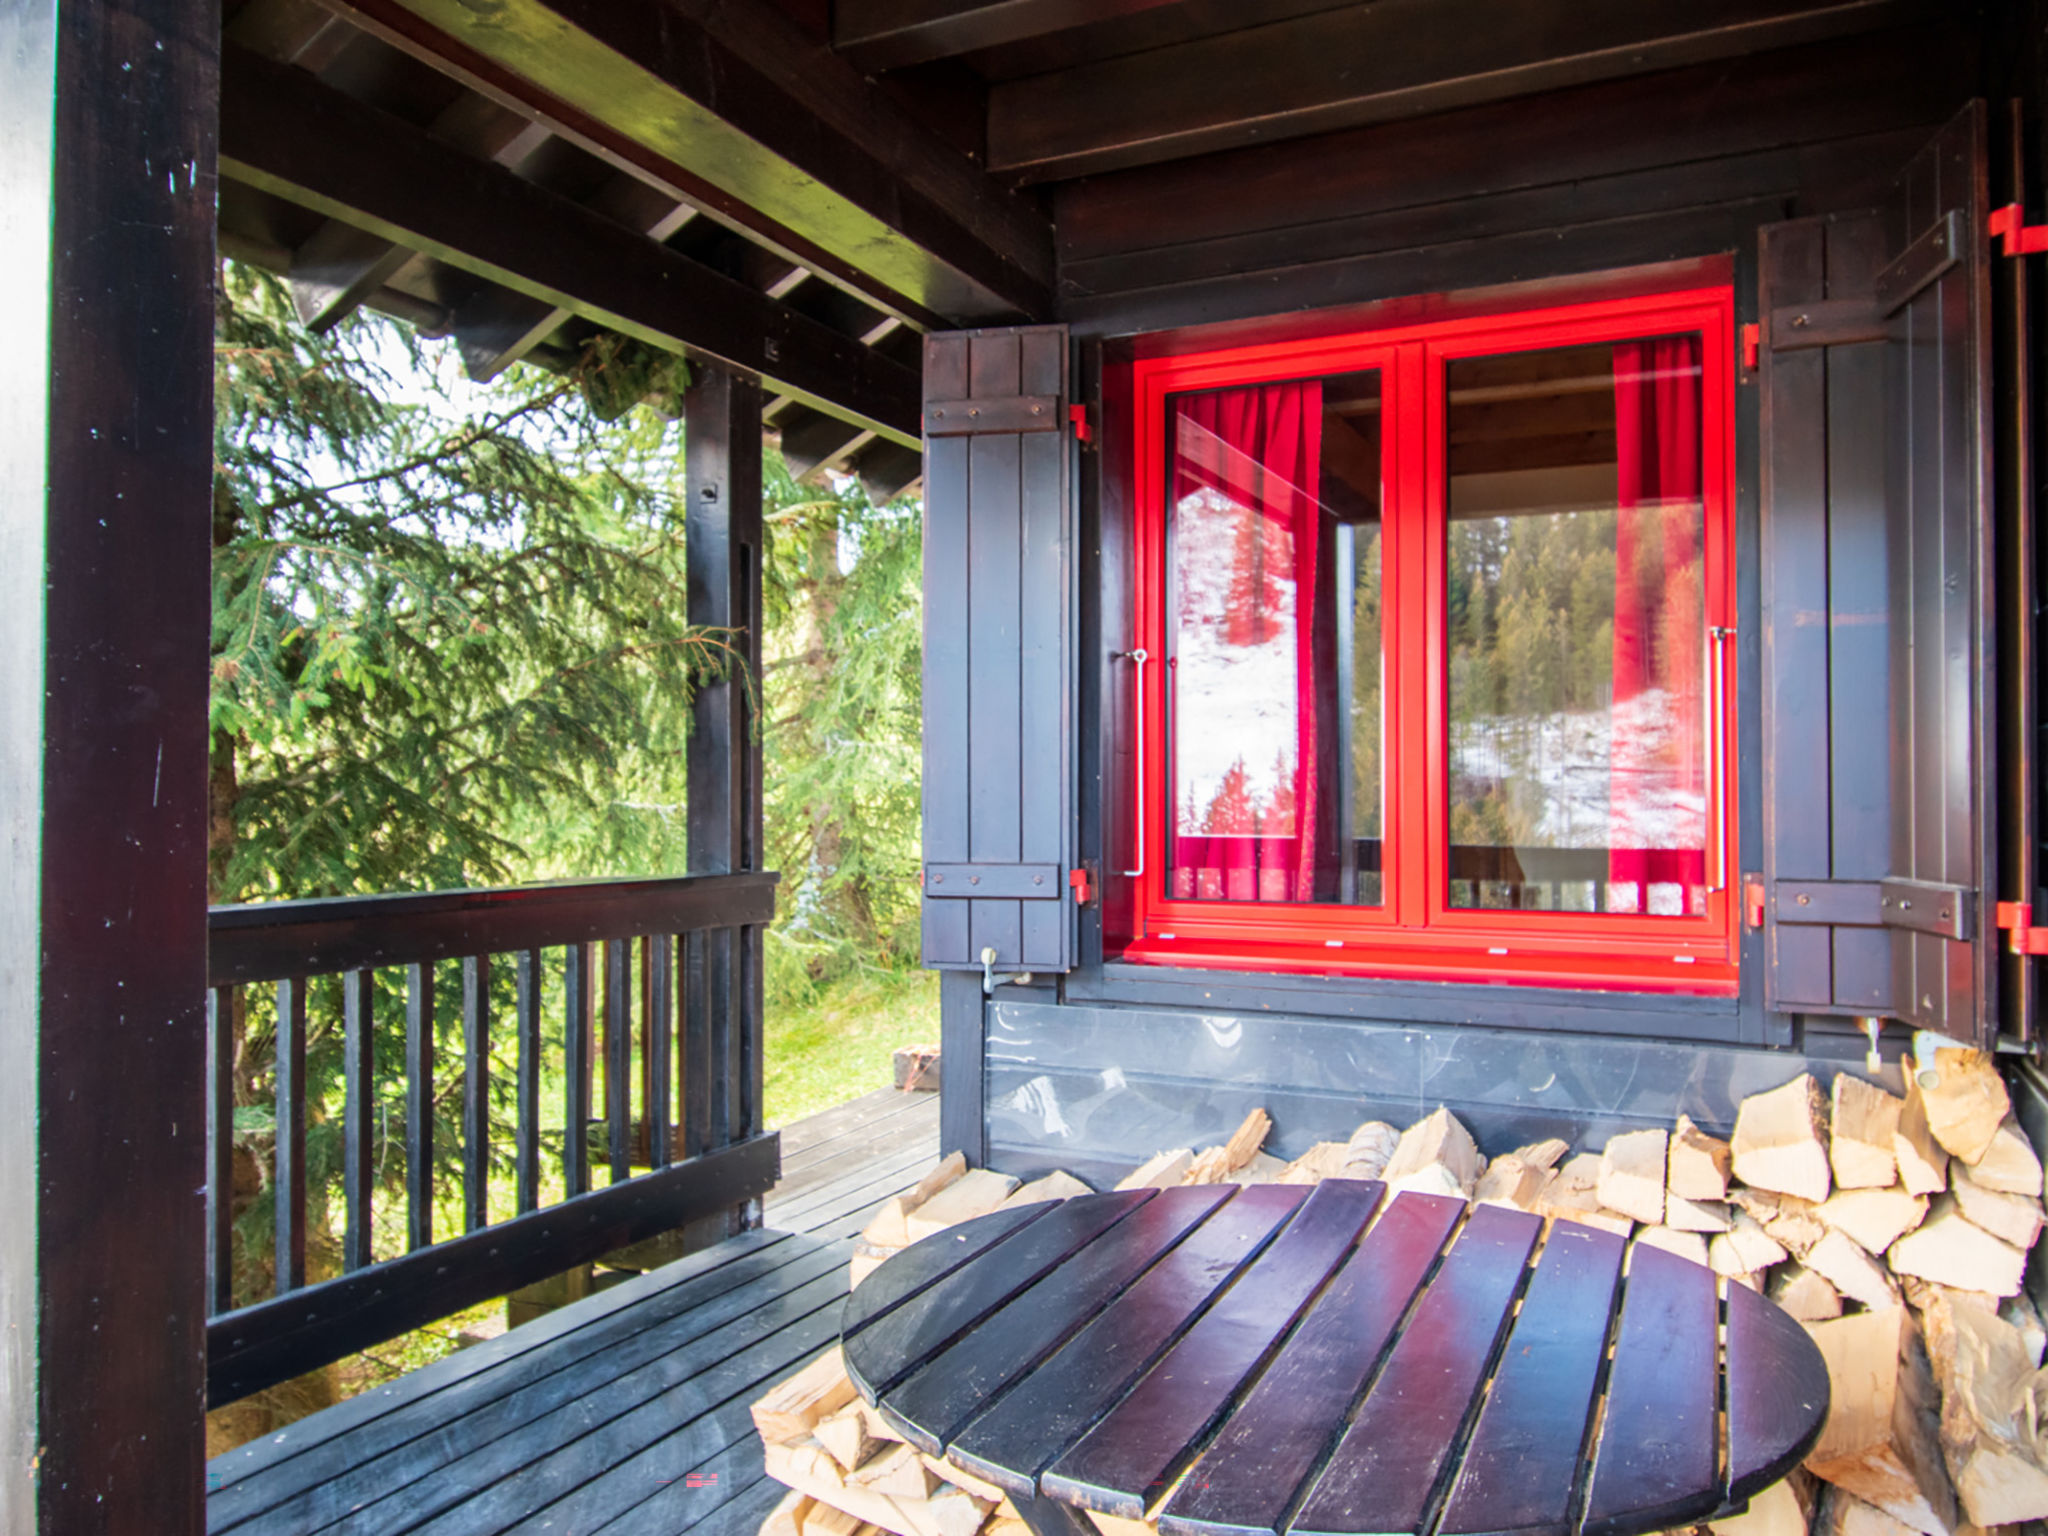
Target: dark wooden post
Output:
[
  {"x": 107, "y": 112},
  {"x": 722, "y": 457}
]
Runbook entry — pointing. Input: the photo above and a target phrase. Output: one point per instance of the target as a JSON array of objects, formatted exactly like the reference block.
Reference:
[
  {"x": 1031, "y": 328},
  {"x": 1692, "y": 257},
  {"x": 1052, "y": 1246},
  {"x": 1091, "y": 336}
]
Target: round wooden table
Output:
[{"x": 1264, "y": 1360}]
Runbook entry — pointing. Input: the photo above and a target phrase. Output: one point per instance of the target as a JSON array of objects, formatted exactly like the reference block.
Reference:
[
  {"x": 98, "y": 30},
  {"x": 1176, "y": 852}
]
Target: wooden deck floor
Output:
[{"x": 622, "y": 1413}]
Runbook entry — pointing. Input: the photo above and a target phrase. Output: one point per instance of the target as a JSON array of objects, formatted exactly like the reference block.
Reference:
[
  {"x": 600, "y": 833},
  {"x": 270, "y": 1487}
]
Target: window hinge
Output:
[
  {"x": 2016, "y": 237},
  {"x": 2017, "y": 918},
  {"x": 1752, "y": 347},
  {"x": 1078, "y": 416},
  {"x": 1083, "y": 885}
]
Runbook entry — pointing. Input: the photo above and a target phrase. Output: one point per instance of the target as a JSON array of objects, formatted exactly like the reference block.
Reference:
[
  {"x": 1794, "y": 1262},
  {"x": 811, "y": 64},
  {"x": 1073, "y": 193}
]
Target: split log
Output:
[
  {"x": 1436, "y": 1155},
  {"x": 1162, "y": 1171},
  {"x": 845, "y": 1435},
  {"x": 1990, "y": 1430},
  {"x": 1841, "y": 1513},
  {"x": 824, "y": 1520},
  {"x": 1264, "y": 1168},
  {"x": 946, "y": 1472},
  {"x": 888, "y": 1229},
  {"x": 2009, "y": 1163},
  {"x": 861, "y": 1265},
  {"x": 1792, "y": 1221},
  {"x": 2015, "y": 1219},
  {"x": 1057, "y": 1185},
  {"x": 1121, "y": 1525},
  {"x": 1370, "y": 1149},
  {"x": 787, "y": 1517},
  {"x": 793, "y": 1408},
  {"x": 973, "y": 1194},
  {"x": 1695, "y": 1215},
  {"x": 1967, "y": 1103},
  {"x": 879, "y": 1427},
  {"x": 1744, "y": 1249},
  {"x": 1862, "y": 1120},
  {"x": 951, "y": 1511},
  {"x": 1923, "y": 1161},
  {"x": 1875, "y": 1218},
  {"x": 1852, "y": 1271},
  {"x": 950, "y": 1167},
  {"x": 1511, "y": 1182},
  {"x": 806, "y": 1466},
  {"x": 1949, "y": 1249},
  {"x": 1542, "y": 1154},
  {"x": 2019, "y": 1313},
  {"x": 1574, "y": 1195},
  {"x": 1781, "y": 1140},
  {"x": 1632, "y": 1175},
  {"x": 1246, "y": 1140},
  {"x": 899, "y": 1472},
  {"x": 1699, "y": 1163},
  {"x": 1324, "y": 1160},
  {"x": 1808, "y": 1296},
  {"x": 1687, "y": 1245},
  {"x": 1882, "y": 1438}
]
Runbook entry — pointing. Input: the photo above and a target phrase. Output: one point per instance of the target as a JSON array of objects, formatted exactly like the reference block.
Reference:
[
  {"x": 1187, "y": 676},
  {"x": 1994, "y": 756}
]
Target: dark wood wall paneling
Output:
[
  {"x": 1619, "y": 173},
  {"x": 106, "y": 206}
]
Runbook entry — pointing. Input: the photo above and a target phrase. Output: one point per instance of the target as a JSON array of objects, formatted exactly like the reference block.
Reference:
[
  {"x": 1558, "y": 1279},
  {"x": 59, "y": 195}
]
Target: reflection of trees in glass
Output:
[
  {"x": 1238, "y": 810},
  {"x": 1367, "y": 677}
]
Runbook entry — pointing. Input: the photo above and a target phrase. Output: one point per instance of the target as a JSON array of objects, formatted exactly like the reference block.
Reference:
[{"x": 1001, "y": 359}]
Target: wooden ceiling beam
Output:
[
  {"x": 286, "y": 133},
  {"x": 786, "y": 138},
  {"x": 1375, "y": 63},
  {"x": 889, "y": 34}
]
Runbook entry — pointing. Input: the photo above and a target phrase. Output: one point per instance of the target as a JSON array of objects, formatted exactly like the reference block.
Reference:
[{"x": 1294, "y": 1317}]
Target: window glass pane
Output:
[
  {"x": 1274, "y": 637},
  {"x": 1576, "y": 588}
]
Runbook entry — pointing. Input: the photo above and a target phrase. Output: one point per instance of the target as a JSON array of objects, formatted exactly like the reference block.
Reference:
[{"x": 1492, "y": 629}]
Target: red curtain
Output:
[
  {"x": 1261, "y": 447},
  {"x": 1657, "y": 833}
]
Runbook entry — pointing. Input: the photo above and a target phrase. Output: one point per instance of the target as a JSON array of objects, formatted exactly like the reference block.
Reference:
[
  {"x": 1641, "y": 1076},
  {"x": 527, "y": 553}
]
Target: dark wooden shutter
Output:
[
  {"x": 999, "y": 651},
  {"x": 1878, "y": 645}
]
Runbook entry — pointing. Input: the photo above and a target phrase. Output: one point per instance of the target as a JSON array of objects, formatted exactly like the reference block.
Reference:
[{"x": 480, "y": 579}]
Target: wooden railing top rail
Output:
[{"x": 272, "y": 940}]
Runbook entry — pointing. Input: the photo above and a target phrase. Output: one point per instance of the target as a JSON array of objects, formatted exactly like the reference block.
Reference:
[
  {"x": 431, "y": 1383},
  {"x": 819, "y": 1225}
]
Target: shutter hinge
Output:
[
  {"x": 1752, "y": 347},
  {"x": 2017, "y": 918},
  {"x": 2016, "y": 237},
  {"x": 1077, "y": 416},
  {"x": 1083, "y": 885}
]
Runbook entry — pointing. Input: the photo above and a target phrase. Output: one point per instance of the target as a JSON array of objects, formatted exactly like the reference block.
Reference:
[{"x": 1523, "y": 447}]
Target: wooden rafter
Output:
[
  {"x": 285, "y": 132},
  {"x": 1374, "y": 63},
  {"x": 888, "y": 34}
]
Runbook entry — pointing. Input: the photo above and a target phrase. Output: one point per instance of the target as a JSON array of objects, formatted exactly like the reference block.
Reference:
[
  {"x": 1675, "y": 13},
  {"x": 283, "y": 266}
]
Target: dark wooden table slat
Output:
[
  {"x": 1658, "y": 1460},
  {"x": 1777, "y": 1393},
  {"x": 1134, "y": 1453},
  {"x": 925, "y": 1263},
  {"x": 1520, "y": 1471},
  {"x": 1012, "y": 1442},
  {"x": 950, "y": 1388},
  {"x": 1247, "y": 1479},
  {"x": 892, "y": 1346},
  {"x": 1389, "y": 1462}
]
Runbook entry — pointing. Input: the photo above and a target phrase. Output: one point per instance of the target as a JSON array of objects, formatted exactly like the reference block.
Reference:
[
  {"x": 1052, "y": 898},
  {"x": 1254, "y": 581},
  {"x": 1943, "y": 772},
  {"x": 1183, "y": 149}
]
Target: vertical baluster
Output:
[
  {"x": 576, "y": 1068},
  {"x": 643, "y": 1045},
  {"x": 661, "y": 1026},
  {"x": 618, "y": 1042},
  {"x": 220, "y": 1150},
  {"x": 476, "y": 1089},
  {"x": 696, "y": 1044},
  {"x": 358, "y": 1103},
  {"x": 724, "y": 1077},
  {"x": 753, "y": 1035},
  {"x": 528, "y": 1153},
  {"x": 419, "y": 1105},
  {"x": 288, "y": 1184}
]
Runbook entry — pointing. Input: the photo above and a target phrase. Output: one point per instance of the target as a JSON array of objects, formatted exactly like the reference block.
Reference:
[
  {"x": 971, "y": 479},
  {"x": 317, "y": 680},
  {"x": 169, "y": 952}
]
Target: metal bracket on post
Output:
[{"x": 990, "y": 980}]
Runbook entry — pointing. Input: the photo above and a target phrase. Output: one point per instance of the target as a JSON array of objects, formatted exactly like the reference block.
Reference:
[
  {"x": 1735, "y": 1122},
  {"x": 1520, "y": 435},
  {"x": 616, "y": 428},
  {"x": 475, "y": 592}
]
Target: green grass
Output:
[{"x": 839, "y": 1046}]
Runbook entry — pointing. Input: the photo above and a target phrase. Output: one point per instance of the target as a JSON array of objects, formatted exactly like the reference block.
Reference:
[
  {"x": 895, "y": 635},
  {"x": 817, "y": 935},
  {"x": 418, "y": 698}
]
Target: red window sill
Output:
[{"x": 1702, "y": 978}]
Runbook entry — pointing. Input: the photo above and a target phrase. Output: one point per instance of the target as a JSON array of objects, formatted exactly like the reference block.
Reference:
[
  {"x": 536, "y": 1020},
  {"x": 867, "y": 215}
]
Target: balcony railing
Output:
[{"x": 681, "y": 956}]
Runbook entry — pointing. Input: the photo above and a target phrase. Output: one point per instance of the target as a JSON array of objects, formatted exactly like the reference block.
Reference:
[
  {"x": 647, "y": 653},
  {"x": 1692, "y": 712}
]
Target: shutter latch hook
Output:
[{"x": 990, "y": 980}]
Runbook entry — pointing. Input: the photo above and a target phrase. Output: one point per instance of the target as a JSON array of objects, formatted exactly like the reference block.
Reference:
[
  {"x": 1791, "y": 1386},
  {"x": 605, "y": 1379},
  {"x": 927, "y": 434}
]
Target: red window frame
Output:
[{"x": 1416, "y": 933}]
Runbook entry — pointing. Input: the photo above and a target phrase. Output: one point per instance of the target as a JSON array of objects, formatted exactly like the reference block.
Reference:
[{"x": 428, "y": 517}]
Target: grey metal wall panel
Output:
[{"x": 999, "y": 651}]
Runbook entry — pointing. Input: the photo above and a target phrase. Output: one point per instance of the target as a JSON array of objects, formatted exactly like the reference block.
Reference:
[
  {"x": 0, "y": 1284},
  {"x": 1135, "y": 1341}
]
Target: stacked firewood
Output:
[{"x": 1897, "y": 1229}]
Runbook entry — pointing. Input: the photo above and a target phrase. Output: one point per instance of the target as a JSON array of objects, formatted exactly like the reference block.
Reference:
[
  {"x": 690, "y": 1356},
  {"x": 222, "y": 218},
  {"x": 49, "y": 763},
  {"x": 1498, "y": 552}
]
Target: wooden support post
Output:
[
  {"x": 962, "y": 1026},
  {"x": 107, "y": 109},
  {"x": 722, "y": 462}
]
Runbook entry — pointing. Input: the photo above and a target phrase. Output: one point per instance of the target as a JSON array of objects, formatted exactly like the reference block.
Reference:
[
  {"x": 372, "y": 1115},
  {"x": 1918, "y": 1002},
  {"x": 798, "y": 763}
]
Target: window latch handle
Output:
[{"x": 1139, "y": 656}]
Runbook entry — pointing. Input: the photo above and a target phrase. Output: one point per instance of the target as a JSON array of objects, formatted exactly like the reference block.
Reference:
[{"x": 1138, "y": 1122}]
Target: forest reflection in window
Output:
[
  {"x": 1576, "y": 617},
  {"x": 1276, "y": 650}
]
